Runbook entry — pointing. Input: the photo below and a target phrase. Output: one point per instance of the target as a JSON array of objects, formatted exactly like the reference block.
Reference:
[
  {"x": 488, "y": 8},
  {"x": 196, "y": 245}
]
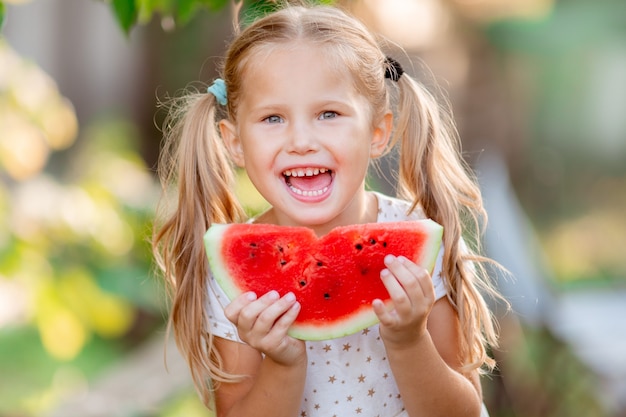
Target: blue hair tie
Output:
[{"x": 218, "y": 89}]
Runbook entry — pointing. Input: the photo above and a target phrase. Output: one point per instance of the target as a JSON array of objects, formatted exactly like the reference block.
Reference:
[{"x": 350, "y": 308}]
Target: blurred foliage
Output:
[
  {"x": 252, "y": 201},
  {"x": 175, "y": 13},
  {"x": 76, "y": 291},
  {"x": 75, "y": 284},
  {"x": 34, "y": 117},
  {"x": 568, "y": 68},
  {"x": 33, "y": 380},
  {"x": 186, "y": 404},
  {"x": 543, "y": 378},
  {"x": 130, "y": 12}
]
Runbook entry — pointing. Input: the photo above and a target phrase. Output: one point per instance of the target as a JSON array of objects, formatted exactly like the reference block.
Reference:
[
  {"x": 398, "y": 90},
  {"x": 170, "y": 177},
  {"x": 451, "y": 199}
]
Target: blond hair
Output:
[{"x": 194, "y": 162}]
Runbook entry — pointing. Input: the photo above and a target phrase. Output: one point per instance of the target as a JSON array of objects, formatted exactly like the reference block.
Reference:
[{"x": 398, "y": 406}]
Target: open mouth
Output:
[{"x": 308, "y": 182}]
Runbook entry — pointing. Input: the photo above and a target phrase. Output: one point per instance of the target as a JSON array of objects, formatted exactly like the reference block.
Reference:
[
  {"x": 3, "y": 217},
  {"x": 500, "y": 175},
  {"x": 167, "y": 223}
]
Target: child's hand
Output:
[
  {"x": 412, "y": 295},
  {"x": 263, "y": 323}
]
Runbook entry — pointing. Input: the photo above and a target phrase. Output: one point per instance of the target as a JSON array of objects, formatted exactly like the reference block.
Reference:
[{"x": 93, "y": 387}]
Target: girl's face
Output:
[{"x": 305, "y": 137}]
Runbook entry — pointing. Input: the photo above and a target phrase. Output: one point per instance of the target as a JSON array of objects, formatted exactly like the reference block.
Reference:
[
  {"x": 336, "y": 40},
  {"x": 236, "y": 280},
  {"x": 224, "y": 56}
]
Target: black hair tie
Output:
[{"x": 393, "y": 69}]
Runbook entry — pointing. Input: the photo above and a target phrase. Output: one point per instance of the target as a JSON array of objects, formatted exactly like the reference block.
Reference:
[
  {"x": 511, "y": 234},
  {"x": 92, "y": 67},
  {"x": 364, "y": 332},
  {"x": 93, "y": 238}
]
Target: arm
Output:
[
  {"x": 428, "y": 382},
  {"x": 273, "y": 383},
  {"x": 269, "y": 388},
  {"x": 423, "y": 346}
]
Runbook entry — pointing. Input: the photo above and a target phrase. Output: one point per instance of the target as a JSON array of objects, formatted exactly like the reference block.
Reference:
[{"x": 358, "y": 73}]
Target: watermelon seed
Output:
[
  {"x": 302, "y": 283},
  {"x": 358, "y": 246},
  {"x": 384, "y": 244},
  {"x": 364, "y": 271},
  {"x": 280, "y": 249},
  {"x": 372, "y": 241},
  {"x": 283, "y": 262},
  {"x": 253, "y": 244},
  {"x": 319, "y": 263},
  {"x": 326, "y": 296}
]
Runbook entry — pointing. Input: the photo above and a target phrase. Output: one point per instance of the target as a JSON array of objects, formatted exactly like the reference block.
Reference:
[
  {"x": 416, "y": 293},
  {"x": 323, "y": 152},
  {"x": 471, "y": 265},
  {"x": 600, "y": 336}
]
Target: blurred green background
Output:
[{"x": 538, "y": 88}]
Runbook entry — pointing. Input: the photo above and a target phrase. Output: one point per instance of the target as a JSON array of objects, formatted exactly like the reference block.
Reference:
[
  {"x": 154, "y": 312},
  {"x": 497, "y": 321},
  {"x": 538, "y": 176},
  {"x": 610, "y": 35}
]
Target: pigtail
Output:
[
  {"x": 432, "y": 174},
  {"x": 194, "y": 165}
]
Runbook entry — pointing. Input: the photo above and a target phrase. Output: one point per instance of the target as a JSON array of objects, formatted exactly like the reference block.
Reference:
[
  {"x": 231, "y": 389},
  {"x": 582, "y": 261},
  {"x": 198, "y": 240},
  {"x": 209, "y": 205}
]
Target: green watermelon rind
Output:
[
  {"x": 319, "y": 331},
  {"x": 339, "y": 328},
  {"x": 212, "y": 239}
]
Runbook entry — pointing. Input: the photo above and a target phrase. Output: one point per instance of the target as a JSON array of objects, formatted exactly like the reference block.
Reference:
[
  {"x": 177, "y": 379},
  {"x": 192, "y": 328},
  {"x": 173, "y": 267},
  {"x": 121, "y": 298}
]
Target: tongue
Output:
[{"x": 312, "y": 183}]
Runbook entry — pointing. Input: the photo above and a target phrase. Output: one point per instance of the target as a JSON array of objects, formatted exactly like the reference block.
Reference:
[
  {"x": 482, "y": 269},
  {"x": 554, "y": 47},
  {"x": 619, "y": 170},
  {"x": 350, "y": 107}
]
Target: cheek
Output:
[
  {"x": 258, "y": 155},
  {"x": 356, "y": 157}
]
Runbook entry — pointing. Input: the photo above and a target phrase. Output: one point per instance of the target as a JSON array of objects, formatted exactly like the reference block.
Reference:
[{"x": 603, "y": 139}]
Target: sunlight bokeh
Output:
[
  {"x": 540, "y": 83},
  {"x": 34, "y": 118}
]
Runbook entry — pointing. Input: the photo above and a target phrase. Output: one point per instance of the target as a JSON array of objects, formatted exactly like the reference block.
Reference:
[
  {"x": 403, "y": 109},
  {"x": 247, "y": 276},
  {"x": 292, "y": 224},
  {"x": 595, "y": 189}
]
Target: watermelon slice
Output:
[{"x": 335, "y": 278}]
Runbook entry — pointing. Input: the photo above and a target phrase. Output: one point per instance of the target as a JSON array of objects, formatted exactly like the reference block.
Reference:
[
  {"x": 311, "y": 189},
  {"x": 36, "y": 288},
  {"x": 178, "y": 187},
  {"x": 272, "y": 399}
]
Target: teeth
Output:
[
  {"x": 313, "y": 193},
  {"x": 304, "y": 172}
]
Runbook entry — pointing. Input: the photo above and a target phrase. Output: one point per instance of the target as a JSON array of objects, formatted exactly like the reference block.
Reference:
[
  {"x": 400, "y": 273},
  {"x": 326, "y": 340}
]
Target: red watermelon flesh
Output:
[{"x": 335, "y": 278}]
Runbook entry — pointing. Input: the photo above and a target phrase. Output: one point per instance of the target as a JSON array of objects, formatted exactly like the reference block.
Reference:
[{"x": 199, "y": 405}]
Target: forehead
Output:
[{"x": 316, "y": 58}]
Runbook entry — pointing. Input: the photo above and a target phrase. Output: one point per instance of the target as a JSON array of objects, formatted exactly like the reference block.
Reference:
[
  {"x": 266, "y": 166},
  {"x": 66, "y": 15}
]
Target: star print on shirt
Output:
[{"x": 336, "y": 365}]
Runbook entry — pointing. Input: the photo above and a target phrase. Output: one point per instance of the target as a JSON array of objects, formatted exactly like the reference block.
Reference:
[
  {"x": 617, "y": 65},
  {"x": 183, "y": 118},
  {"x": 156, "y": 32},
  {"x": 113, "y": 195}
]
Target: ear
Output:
[
  {"x": 232, "y": 142},
  {"x": 381, "y": 135}
]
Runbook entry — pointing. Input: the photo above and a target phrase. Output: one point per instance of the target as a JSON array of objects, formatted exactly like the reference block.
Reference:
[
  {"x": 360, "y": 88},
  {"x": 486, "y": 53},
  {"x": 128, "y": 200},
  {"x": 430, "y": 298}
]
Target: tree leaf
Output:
[
  {"x": 215, "y": 5},
  {"x": 126, "y": 13},
  {"x": 145, "y": 10},
  {"x": 1, "y": 14},
  {"x": 186, "y": 10},
  {"x": 252, "y": 10}
]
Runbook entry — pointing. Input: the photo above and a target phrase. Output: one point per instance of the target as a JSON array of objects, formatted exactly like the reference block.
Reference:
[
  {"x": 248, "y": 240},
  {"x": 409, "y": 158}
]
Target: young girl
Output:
[{"x": 304, "y": 106}]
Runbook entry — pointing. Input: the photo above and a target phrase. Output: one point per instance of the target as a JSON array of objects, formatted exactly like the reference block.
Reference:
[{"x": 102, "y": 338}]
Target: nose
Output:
[{"x": 302, "y": 137}]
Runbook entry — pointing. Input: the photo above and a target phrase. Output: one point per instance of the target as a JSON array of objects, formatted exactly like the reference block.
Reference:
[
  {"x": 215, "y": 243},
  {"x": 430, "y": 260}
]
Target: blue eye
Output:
[
  {"x": 273, "y": 119},
  {"x": 327, "y": 115}
]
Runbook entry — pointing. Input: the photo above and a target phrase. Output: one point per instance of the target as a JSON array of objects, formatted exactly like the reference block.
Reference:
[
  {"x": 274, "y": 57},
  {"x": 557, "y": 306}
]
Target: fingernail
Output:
[
  {"x": 385, "y": 272},
  {"x": 273, "y": 295},
  {"x": 401, "y": 259},
  {"x": 250, "y": 296},
  {"x": 389, "y": 259},
  {"x": 290, "y": 296}
]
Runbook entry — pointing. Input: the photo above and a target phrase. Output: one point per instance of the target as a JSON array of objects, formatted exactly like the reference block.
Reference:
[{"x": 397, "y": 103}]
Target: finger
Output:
[
  {"x": 391, "y": 283},
  {"x": 270, "y": 318},
  {"x": 403, "y": 288},
  {"x": 284, "y": 322},
  {"x": 423, "y": 278},
  {"x": 249, "y": 314},
  {"x": 415, "y": 280},
  {"x": 233, "y": 309},
  {"x": 401, "y": 269},
  {"x": 385, "y": 313},
  {"x": 269, "y": 333}
]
